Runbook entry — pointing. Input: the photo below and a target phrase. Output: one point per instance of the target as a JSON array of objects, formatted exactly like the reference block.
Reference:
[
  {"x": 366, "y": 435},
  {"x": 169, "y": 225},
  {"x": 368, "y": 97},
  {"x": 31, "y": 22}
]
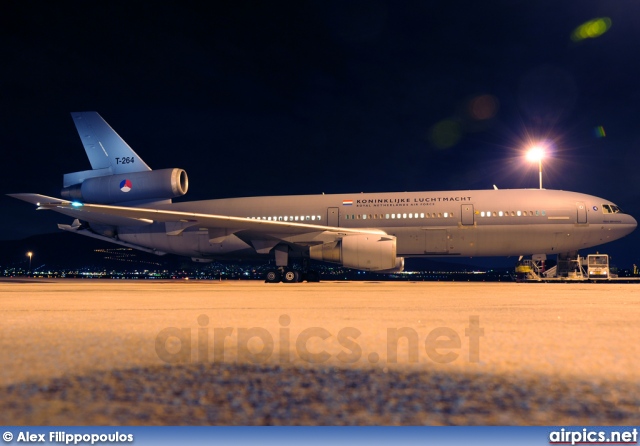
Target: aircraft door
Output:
[
  {"x": 333, "y": 217},
  {"x": 467, "y": 215},
  {"x": 582, "y": 212}
]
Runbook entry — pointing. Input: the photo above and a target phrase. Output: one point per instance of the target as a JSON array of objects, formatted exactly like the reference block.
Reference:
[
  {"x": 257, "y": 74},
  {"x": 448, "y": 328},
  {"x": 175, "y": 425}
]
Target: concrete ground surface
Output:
[{"x": 102, "y": 352}]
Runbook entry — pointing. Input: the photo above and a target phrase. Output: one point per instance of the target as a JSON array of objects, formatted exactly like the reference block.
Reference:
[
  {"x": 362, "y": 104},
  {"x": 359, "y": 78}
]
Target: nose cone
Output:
[
  {"x": 628, "y": 225},
  {"x": 632, "y": 224}
]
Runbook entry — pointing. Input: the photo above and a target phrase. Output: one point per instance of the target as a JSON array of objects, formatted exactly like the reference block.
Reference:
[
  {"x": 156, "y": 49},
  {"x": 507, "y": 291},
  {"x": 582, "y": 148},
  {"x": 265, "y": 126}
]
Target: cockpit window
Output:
[{"x": 611, "y": 209}]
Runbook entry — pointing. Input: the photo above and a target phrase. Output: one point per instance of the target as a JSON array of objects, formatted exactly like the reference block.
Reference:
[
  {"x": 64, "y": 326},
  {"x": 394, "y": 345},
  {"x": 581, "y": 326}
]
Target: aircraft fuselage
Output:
[{"x": 453, "y": 223}]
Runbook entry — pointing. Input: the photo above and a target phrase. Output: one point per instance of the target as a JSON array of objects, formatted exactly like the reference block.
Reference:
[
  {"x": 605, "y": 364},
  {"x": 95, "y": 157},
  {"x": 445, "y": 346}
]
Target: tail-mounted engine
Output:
[{"x": 136, "y": 186}]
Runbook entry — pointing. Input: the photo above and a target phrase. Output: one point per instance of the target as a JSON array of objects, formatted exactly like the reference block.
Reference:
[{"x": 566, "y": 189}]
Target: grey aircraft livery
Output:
[{"x": 121, "y": 200}]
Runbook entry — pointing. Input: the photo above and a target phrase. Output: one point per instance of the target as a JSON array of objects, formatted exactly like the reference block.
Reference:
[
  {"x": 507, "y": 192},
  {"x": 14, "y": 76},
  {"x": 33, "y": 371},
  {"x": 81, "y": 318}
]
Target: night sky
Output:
[{"x": 278, "y": 98}]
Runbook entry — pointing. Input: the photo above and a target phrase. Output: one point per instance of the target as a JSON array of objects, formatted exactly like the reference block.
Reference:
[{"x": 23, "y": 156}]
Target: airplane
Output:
[{"x": 122, "y": 200}]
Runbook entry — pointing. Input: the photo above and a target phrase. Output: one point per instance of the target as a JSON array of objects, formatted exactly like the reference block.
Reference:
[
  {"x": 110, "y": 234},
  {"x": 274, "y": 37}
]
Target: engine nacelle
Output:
[
  {"x": 151, "y": 185},
  {"x": 397, "y": 269},
  {"x": 361, "y": 251}
]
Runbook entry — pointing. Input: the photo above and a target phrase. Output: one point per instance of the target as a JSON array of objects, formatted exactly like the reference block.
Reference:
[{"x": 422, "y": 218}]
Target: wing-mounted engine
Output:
[
  {"x": 397, "y": 269},
  {"x": 366, "y": 252},
  {"x": 135, "y": 186}
]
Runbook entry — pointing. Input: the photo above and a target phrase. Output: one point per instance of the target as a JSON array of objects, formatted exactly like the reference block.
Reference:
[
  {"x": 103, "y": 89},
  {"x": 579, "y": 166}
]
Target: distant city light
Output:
[{"x": 76, "y": 204}]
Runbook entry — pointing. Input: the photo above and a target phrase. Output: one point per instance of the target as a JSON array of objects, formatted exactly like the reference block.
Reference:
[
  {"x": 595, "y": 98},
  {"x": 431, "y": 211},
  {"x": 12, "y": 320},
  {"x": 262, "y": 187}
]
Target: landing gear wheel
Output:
[
  {"x": 272, "y": 276},
  {"x": 291, "y": 276}
]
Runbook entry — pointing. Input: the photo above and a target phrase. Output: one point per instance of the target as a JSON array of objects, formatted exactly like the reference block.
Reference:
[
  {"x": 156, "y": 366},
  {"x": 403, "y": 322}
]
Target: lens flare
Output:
[
  {"x": 591, "y": 29},
  {"x": 445, "y": 134},
  {"x": 483, "y": 107},
  {"x": 599, "y": 132}
]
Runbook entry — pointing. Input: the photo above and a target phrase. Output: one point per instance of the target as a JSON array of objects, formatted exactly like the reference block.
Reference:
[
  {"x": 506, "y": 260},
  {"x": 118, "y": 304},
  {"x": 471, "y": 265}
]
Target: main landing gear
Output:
[
  {"x": 284, "y": 273},
  {"x": 287, "y": 275}
]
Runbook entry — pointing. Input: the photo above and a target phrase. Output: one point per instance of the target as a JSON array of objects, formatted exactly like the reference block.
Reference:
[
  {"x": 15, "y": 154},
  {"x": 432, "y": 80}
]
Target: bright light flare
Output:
[{"x": 535, "y": 154}]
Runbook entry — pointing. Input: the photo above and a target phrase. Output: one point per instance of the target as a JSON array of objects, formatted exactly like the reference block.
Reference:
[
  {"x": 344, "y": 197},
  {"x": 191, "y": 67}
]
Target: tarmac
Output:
[{"x": 115, "y": 352}]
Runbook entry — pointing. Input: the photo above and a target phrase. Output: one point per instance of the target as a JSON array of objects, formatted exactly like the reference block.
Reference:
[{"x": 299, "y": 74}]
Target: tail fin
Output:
[{"x": 107, "y": 151}]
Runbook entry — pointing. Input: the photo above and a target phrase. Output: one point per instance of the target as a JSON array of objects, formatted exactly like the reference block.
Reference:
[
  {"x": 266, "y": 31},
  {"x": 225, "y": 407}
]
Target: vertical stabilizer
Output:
[
  {"x": 108, "y": 153},
  {"x": 104, "y": 146}
]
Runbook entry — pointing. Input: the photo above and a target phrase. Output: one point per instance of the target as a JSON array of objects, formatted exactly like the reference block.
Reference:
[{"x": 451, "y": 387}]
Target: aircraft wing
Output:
[{"x": 180, "y": 220}]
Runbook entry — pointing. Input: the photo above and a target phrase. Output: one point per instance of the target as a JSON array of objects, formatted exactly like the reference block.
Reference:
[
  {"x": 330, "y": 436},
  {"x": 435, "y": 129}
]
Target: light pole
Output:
[
  {"x": 536, "y": 153},
  {"x": 29, "y": 254}
]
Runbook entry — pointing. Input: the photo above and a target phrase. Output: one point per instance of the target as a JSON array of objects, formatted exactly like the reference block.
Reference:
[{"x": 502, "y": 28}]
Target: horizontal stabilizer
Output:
[{"x": 73, "y": 209}]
